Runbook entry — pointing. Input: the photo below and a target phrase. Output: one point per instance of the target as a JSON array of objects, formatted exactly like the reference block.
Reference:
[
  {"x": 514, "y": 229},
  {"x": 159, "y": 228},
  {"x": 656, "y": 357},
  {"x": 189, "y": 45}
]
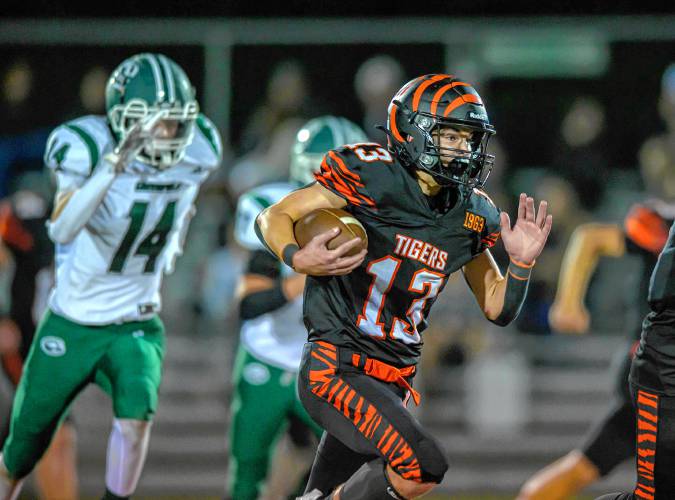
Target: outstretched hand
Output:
[{"x": 526, "y": 239}]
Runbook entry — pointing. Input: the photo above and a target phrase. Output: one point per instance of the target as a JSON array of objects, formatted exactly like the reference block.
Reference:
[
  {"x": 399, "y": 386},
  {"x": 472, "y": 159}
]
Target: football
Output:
[{"x": 323, "y": 219}]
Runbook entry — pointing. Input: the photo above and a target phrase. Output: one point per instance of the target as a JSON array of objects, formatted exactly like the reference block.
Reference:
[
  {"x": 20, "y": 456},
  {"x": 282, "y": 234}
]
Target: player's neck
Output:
[{"x": 427, "y": 183}]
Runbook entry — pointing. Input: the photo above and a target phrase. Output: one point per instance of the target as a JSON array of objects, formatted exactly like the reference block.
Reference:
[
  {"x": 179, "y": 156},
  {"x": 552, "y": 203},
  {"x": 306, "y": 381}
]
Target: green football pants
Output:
[
  {"x": 264, "y": 399},
  {"x": 124, "y": 359}
]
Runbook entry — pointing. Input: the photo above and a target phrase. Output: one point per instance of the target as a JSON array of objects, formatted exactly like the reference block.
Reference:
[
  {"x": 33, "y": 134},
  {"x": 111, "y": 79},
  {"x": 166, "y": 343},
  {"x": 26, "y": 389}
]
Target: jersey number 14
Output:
[{"x": 151, "y": 245}]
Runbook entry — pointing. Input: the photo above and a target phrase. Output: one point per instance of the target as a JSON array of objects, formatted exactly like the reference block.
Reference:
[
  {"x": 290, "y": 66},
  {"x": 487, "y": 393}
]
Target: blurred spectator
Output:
[
  {"x": 92, "y": 90},
  {"x": 268, "y": 136},
  {"x": 17, "y": 87},
  {"x": 90, "y": 99},
  {"x": 657, "y": 154},
  {"x": 376, "y": 82},
  {"x": 287, "y": 97},
  {"x": 21, "y": 146},
  {"x": 563, "y": 202},
  {"x": 221, "y": 274},
  {"x": 268, "y": 164},
  {"x": 581, "y": 152}
]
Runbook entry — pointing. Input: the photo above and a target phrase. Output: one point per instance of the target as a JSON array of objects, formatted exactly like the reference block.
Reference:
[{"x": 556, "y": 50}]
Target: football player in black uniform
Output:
[
  {"x": 421, "y": 204},
  {"x": 612, "y": 439},
  {"x": 652, "y": 379},
  {"x": 644, "y": 234}
]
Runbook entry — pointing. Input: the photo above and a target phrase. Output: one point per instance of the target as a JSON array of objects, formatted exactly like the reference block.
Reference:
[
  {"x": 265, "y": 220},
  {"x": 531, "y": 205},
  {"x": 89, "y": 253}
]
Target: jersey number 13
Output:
[{"x": 425, "y": 282}]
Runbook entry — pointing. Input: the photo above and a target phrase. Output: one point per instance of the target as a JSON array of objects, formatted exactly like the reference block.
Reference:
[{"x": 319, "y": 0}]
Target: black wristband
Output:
[
  {"x": 287, "y": 254},
  {"x": 258, "y": 303},
  {"x": 518, "y": 279},
  {"x": 519, "y": 271}
]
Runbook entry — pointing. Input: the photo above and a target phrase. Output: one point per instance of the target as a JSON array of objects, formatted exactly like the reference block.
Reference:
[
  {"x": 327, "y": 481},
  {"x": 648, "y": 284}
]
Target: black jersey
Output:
[
  {"x": 646, "y": 231},
  {"x": 654, "y": 364},
  {"x": 414, "y": 243},
  {"x": 662, "y": 283}
]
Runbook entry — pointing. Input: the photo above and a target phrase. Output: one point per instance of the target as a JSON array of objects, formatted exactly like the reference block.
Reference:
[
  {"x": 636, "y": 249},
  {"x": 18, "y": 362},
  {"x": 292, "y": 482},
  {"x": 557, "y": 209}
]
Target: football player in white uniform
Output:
[
  {"x": 272, "y": 331},
  {"x": 126, "y": 186}
]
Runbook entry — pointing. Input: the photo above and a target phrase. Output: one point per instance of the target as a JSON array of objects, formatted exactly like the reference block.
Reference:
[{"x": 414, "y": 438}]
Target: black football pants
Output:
[{"x": 364, "y": 418}]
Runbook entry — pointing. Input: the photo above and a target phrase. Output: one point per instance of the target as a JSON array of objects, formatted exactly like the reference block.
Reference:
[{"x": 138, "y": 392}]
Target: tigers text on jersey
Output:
[
  {"x": 276, "y": 337},
  {"x": 112, "y": 271},
  {"x": 380, "y": 308}
]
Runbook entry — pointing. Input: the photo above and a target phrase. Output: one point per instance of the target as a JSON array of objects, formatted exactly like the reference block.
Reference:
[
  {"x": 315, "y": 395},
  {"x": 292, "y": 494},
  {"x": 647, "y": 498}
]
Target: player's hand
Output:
[
  {"x": 525, "y": 241},
  {"x": 136, "y": 139},
  {"x": 569, "y": 319},
  {"x": 316, "y": 259}
]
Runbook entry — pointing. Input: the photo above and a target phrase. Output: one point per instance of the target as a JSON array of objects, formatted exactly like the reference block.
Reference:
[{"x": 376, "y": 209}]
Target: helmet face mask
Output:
[
  {"x": 143, "y": 85},
  {"x": 417, "y": 114},
  {"x": 315, "y": 139}
]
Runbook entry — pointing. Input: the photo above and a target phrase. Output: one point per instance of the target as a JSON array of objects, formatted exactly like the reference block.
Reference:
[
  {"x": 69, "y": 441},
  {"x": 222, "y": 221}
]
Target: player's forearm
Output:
[
  {"x": 270, "y": 299},
  {"x": 75, "y": 209},
  {"x": 508, "y": 294},
  {"x": 588, "y": 243},
  {"x": 275, "y": 230}
]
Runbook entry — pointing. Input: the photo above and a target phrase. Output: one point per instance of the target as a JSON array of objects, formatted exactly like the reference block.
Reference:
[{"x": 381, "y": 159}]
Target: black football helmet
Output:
[{"x": 424, "y": 106}]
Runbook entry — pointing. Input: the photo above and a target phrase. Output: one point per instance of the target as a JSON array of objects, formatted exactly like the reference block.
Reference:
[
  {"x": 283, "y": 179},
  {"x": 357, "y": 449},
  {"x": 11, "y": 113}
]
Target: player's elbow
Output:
[
  {"x": 502, "y": 320},
  {"x": 494, "y": 314}
]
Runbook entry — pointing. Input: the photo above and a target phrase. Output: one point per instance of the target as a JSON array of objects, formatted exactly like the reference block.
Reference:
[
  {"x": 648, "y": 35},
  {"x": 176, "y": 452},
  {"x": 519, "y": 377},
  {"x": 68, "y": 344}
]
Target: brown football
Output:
[{"x": 323, "y": 219}]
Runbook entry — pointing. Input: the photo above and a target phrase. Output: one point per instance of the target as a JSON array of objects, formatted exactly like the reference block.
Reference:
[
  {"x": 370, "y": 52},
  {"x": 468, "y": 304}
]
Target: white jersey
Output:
[
  {"x": 276, "y": 337},
  {"x": 112, "y": 271}
]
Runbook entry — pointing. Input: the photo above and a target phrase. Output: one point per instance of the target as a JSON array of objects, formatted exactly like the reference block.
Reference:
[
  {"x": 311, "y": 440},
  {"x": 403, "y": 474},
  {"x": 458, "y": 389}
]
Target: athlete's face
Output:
[
  {"x": 166, "y": 129},
  {"x": 452, "y": 143}
]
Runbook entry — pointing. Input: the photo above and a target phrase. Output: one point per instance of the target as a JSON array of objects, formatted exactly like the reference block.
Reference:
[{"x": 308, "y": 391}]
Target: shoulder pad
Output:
[
  {"x": 78, "y": 146},
  {"x": 250, "y": 204},
  {"x": 487, "y": 210},
  {"x": 206, "y": 149},
  {"x": 646, "y": 228},
  {"x": 355, "y": 172}
]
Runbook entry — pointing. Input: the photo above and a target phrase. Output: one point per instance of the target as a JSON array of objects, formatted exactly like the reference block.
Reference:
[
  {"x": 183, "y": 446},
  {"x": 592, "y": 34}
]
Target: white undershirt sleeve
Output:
[{"x": 87, "y": 196}]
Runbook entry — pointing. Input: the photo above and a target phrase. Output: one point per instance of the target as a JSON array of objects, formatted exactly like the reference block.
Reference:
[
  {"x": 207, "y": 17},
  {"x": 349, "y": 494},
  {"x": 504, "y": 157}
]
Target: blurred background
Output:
[{"x": 575, "y": 95}]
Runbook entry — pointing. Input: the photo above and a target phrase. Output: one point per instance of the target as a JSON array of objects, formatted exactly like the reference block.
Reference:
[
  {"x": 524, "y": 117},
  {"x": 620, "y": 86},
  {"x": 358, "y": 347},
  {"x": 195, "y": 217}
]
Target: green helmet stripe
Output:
[
  {"x": 157, "y": 75},
  {"x": 171, "y": 86},
  {"x": 89, "y": 142}
]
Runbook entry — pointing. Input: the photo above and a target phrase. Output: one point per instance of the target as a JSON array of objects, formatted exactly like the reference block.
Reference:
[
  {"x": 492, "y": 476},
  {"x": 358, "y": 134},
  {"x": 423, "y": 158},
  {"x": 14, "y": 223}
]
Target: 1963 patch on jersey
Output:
[{"x": 474, "y": 222}]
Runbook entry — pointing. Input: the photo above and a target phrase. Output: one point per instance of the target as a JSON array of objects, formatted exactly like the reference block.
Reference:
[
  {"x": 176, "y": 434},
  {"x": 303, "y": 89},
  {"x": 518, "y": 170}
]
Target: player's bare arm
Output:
[
  {"x": 276, "y": 228},
  {"x": 74, "y": 207},
  {"x": 588, "y": 243},
  {"x": 501, "y": 297}
]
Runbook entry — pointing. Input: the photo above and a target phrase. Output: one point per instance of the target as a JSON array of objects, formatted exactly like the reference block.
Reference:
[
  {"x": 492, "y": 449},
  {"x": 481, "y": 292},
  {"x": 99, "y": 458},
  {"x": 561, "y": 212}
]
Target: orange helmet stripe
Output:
[
  {"x": 441, "y": 91},
  {"x": 464, "y": 99},
  {"x": 392, "y": 124},
  {"x": 402, "y": 90},
  {"x": 420, "y": 90}
]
